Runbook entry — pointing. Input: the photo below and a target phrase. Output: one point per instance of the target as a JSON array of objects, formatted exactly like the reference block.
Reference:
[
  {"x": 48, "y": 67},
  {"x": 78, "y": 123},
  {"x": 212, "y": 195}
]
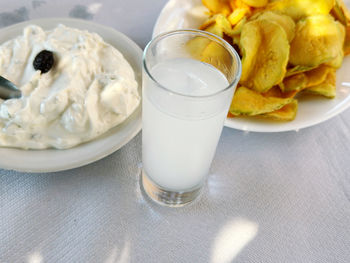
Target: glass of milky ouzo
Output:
[{"x": 189, "y": 78}]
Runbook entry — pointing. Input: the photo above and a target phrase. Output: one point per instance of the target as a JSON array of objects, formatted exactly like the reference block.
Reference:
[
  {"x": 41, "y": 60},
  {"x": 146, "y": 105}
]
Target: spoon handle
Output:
[{"x": 8, "y": 90}]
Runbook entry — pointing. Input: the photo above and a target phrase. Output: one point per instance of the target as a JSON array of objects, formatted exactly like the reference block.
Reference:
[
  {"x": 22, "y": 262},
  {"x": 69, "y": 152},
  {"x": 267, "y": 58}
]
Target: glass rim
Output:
[{"x": 201, "y": 33}]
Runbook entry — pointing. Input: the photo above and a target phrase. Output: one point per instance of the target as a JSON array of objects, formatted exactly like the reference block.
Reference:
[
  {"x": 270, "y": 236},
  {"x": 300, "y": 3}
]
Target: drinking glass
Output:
[{"x": 189, "y": 78}]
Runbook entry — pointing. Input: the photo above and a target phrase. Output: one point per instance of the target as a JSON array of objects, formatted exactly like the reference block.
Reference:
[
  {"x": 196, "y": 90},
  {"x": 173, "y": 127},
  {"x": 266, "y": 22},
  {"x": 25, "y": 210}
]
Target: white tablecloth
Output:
[{"x": 271, "y": 198}]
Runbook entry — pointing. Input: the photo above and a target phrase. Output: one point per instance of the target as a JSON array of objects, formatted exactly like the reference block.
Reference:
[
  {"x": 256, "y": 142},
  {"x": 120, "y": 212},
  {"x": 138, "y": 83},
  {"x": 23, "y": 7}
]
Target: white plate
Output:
[
  {"x": 178, "y": 14},
  {"x": 56, "y": 160}
]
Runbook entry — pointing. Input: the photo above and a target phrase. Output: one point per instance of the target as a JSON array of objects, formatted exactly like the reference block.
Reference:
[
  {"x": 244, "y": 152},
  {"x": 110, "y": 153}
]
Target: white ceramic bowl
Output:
[{"x": 56, "y": 160}]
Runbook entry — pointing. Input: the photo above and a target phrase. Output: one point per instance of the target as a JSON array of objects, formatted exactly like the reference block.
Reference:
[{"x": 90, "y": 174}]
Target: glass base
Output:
[{"x": 166, "y": 197}]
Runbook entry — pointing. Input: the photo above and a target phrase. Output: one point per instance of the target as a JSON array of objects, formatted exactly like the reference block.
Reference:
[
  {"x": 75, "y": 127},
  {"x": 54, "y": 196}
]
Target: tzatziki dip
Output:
[{"x": 89, "y": 89}]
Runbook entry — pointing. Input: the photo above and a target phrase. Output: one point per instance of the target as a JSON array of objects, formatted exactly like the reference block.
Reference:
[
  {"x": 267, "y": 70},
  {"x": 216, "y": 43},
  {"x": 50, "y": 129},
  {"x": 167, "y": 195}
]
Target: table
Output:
[{"x": 281, "y": 197}]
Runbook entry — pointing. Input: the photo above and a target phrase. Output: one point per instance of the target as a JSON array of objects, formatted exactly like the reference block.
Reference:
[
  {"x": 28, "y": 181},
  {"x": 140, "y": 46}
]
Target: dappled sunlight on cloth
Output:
[
  {"x": 35, "y": 257},
  {"x": 94, "y": 7},
  {"x": 231, "y": 239},
  {"x": 122, "y": 256}
]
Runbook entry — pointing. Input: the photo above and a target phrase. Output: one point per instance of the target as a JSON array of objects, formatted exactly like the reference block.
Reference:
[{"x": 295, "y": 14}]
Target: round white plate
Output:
[
  {"x": 179, "y": 14},
  {"x": 56, "y": 160}
]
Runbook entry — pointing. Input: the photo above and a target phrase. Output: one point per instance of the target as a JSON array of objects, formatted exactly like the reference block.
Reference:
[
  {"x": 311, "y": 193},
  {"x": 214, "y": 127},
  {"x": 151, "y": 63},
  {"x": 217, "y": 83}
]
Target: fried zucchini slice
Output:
[
  {"x": 218, "y": 25},
  {"x": 216, "y": 30},
  {"x": 297, "y": 69},
  {"x": 256, "y": 3},
  {"x": 277, "y": 92},
  {"x": 326, "y": 88},
  {"x": 265, "y": 50},
  {"x": 298, "y": 9},
  {"x": 284, "y": 21},
  {"x": 196, "y": 46},
  {"x": 217, "y": 56},
  {"x": 237, "y": 15},
  {"x": 347, "y": 41},
  {"x": 209, "y": 22},
  {"x": 341, "y": 13},
  {"x": 318, "y": 39},
  {"x": 237, "y": 29},
  {"x": 286, "y": 113},
  {"x": 250, "y": 103},
  {"x": 237, "y": 4},
  {"x": 294, "y": 83},
  {"x": 218, "y": 6},
  {"x": 273, "y": 92},
  {"x": 250, "y": 41},
  {"x": 337, "y": 61},
  {"x": 317, "y": 75}
]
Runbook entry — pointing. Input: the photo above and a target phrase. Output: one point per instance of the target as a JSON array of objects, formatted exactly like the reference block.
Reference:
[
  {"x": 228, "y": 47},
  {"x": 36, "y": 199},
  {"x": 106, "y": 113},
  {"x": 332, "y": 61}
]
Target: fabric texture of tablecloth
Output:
[{"x": 281, "y": 197}]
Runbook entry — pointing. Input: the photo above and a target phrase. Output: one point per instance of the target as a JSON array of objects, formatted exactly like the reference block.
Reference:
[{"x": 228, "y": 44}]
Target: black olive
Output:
[{"x": 43, "y": 61}]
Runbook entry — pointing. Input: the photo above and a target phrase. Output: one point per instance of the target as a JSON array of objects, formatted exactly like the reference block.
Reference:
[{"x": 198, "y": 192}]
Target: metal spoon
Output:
[{"x": 8, "y": 90}]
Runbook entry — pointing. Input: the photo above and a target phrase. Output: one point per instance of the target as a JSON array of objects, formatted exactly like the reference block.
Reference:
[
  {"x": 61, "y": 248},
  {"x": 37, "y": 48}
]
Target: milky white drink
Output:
[{"x": 179, "y": 136}]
